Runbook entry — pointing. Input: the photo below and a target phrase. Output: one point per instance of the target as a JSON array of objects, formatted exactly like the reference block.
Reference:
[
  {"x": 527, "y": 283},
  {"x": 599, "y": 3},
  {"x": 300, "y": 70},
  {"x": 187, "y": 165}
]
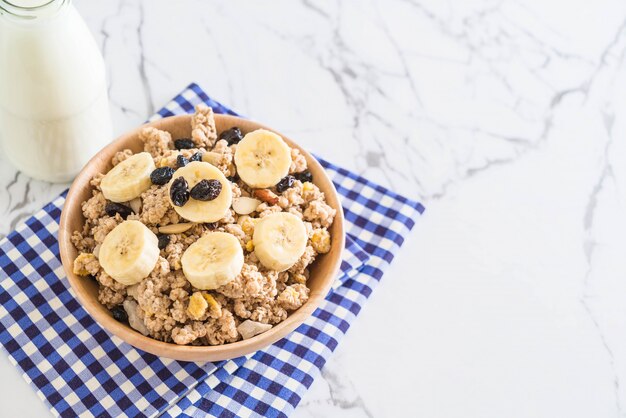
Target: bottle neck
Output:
[{"x": 29, "y": 10}]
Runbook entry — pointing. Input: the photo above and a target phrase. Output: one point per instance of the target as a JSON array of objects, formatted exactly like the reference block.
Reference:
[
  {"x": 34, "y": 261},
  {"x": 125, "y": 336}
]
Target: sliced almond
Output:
[
  {"x": 133, "y": 291},
  {"x": 266, "y": 195},
  {"x": 212, "y": 157},
  {"x": 135, "y": 205},
  {"x": 245, "y": 205},
  {"x": 176, "y": 228},
  {"x": 96, "y": 250},
  {"x": 134, "y": 320},
  {"x": 249, "y": 329}
]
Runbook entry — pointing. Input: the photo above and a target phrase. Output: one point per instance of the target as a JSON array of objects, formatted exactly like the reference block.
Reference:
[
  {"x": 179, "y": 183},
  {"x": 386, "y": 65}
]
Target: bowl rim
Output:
[{"x": 186, "y": 352}]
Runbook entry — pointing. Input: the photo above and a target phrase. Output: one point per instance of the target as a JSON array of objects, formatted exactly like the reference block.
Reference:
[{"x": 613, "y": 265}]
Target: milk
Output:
[{"x": 54, "y": 113}]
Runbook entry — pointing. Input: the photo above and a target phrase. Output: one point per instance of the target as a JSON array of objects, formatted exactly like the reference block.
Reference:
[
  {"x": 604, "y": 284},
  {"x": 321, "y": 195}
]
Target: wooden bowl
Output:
[{"x": 322, "y": 272}]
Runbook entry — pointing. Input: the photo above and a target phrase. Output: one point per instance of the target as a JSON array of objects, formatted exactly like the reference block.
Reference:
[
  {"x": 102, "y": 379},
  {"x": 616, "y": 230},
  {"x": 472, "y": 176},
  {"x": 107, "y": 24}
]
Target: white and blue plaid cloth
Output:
[{"x": 77, "y": 368}]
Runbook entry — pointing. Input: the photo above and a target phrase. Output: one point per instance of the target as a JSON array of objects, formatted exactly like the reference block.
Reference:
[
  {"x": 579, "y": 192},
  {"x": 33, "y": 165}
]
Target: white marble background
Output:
[{"x": 507, "y": 118}]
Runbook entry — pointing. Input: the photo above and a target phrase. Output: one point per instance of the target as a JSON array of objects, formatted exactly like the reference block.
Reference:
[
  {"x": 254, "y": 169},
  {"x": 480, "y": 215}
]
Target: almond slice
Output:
[
  {"x": 96, "y": 250},
  {"x": 245, "y": 205},
  {"x": 176, "y": 228},
  {"x": 135, "y": 205},
  {"x": 212, "y": 157},
  {"x": 249, "y": 329}
]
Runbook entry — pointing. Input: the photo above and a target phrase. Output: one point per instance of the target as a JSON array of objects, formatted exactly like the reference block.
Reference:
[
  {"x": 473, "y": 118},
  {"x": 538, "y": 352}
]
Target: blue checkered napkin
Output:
[
  {"x": 71, "y": 362},
  {"x": 272, "y": 381}
]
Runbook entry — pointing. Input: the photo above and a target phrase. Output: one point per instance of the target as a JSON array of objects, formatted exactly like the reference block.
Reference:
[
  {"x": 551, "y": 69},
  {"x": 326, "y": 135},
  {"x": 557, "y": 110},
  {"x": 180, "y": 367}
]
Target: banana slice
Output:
[
  {"x": 128, "y": 179},
  {"x": 129, "y": 252},
  {"x": 213, "y": 260},
  {"x": 279, "y": 240},
  {"x": 203, "y": 211},
  {"x": 262, "y": 158}
]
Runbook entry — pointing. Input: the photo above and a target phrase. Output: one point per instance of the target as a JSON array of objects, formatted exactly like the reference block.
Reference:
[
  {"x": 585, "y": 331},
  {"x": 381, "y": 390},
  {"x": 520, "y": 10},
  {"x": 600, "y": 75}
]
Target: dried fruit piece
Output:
[
  {"x": 197, "y": 306},
  {"x": 304, "y": 176},
  {"x": 320, "y": 241},
  {"x": 232, "y": 135},
  {"x": 181, "y": 161},
  {"x": 179, "y": 192},
  {"x": 119, "y": 314},
  {"x": 162, "y": 162},
  {"x": 249, "y": 246},
  {"x": 81, "y": 261},
  {"x": 196, "y": 157},
  {"x": 164, "y": 239},
  {"x": 212, "y": 225},
  {"x": 206, "y": 190},
  {"x": 299, "y": 278},
  {"x": 247, "y": 224},
  {"x": 183, "y": 143},
  {"x": 111, "y": 208},
  {"x": 214, "y": 306},
  {"x": 161, "y": 175},
  {"x": 266, "y": 195},
  {"x": 285, "y": 183}
]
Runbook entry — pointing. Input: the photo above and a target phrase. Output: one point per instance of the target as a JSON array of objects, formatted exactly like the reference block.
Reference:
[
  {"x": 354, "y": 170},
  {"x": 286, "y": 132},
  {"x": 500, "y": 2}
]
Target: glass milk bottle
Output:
[{"x": 54, "y": 112}]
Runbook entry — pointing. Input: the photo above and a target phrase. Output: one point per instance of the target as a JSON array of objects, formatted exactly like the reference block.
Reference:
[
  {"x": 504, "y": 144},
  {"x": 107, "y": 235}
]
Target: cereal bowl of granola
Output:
[{"x": 201, "y": 237}]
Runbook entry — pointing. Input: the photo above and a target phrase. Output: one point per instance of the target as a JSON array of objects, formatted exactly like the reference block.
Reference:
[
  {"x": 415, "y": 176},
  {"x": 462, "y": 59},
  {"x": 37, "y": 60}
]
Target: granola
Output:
[{"x": 163, "y": 303}]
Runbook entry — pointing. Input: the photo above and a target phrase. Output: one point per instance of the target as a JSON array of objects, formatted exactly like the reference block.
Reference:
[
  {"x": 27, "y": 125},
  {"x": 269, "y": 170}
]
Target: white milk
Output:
[{"x": 54, "y": 113}]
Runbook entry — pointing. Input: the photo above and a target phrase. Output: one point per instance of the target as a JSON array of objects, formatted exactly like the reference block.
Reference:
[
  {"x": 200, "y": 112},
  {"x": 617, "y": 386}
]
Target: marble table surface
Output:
[{"x": 504, "y": 117}]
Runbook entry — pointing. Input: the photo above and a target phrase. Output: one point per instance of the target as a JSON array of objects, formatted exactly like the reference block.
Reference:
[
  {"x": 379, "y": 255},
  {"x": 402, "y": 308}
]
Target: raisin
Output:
[
  {"x": 164, "y": 239},
  {"x": 285, "y": 183},
  {"x": 161, "y": 175},
  {"x": 179, "y": 192},
  {"x": 196, "y": 157},
  {"x": 184, "y": 143},
  {"x": 232, "y": 135},
  {"x": 111, "y": 208},
  {"x": 206, "y": 190},
  {"x": 119, "y": 314},
  {"x": 305, "y": 176},
  {"x": 181, "y": 161}
]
